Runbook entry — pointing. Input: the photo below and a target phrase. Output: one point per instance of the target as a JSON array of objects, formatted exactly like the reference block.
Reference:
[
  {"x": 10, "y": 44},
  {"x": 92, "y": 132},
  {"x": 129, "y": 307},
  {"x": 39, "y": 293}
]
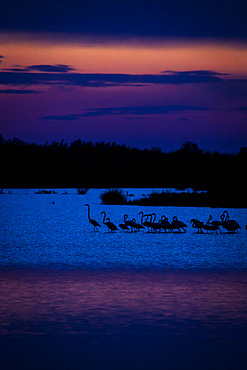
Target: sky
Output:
[{"x": 141, "y": 73}]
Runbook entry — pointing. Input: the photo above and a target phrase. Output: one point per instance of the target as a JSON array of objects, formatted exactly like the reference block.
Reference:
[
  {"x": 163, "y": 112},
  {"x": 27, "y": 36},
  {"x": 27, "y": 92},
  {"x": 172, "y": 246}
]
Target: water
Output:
[
  {"x": 73, "y": 298},
  {"x": 53, "y": 231}
]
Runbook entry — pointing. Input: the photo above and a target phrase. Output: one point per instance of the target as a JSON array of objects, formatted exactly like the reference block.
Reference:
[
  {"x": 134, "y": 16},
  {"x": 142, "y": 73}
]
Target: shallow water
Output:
[
  {"x": 53, "y": 230},
  {"x": 72, "y": 298}
]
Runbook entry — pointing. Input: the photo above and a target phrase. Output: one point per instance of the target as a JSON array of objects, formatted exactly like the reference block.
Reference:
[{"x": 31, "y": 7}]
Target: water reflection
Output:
[{"x": 38, "y": 301}]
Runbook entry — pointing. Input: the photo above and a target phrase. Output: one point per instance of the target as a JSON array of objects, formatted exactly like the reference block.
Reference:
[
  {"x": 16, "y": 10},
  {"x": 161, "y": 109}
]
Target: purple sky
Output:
[{"x": 159, "y": 82}]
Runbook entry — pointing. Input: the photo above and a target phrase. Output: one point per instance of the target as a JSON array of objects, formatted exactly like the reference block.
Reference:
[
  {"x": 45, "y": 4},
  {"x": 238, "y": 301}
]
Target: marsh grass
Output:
[
  {"x": 211, "y": 198},
  {"x": 113, "y": 197}
]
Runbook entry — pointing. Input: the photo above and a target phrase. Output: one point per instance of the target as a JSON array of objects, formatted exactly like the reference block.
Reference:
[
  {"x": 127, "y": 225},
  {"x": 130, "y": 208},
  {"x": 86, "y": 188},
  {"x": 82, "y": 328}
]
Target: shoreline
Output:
[{"x": 159, "y": 197}]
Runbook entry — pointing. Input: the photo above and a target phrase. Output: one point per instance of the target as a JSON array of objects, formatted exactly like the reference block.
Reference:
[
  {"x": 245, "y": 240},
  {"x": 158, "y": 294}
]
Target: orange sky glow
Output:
[
  {"x": 207, "y": 74},
  {"x": 126, "y": 56}
]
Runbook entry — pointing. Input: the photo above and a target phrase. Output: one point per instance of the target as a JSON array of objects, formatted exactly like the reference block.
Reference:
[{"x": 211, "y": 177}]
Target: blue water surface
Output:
[
  {"x": 72, "y": 298},
  {"x": 53, "y": 230}
]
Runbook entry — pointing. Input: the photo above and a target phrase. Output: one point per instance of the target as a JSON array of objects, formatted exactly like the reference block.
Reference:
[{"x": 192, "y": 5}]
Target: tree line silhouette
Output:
[{"x": 108, "y": 165}]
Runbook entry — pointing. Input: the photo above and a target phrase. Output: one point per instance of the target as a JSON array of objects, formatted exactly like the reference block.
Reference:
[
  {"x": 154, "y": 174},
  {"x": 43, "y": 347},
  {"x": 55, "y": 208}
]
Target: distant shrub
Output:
[
  {"x": 82, "y": 191},
  {"x": 166, "y": 198},
  {"x": 113, "y": 196}
]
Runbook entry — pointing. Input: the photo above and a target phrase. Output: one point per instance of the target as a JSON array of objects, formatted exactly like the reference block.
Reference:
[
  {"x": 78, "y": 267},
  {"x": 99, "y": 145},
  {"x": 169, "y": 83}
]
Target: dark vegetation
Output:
[
  {"x": 113, "y": 196},
  {"x": 208, "y": 198},
  {"x": 108, "y": 165}
]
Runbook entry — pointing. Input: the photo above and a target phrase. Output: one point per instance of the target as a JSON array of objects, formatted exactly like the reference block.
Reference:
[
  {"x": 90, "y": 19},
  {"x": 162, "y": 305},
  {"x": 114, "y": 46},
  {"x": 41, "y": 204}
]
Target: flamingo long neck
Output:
[
  {"x": 88, "y": 212},
  {"x": 141, "y": 213},
  {"x": 225, "y": 216},
  {"x": 104, "y": 217},
  {"x": 209, "y": 219}
]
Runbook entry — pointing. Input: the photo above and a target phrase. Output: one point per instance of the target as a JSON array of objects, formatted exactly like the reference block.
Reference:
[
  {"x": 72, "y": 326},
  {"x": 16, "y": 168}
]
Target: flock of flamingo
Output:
[{"x": 148, "y": 222}]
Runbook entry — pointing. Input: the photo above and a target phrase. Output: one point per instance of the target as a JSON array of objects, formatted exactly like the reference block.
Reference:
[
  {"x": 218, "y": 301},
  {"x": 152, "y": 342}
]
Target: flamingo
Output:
[
  {"x": 106, "y": 221},
  {"x": 176, "y": 224},
  {"x": 165, "y": 223},
  {"x": 215, "y": 222},
  {"x": 137, "y": 226},
  {"x": 92, "y": 222},
  {"x": 197, "y": 225},
  {"x": 213, "y": 225},
  {"x": 123, "y": 227},
  {"x": 129, "y": 196},
  {"x": 142, "y": 215},
  {"x": 129, "y": 223},
  {"x": 155, "y": 225},
  {"x": 145, "y": 223},
  {"x": 230, "y": 225}
]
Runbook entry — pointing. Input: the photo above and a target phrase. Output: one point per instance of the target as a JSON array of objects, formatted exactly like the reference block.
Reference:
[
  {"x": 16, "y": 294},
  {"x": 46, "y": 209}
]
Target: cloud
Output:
[
  {"x": 203, "y": 72},
  {"x": 122, "y": 111},
  {"x": 21, "y": 77},
  {"x": 22, "y": 92},
  {"x": 1, "y": 57},
  {"x": 61, "y": 68},
  {"x": 67, "y": 117},
  {"x": 16, "y": 69},
  {"x": 140, "y": 110},
  {"x": 57, "y": 68}
]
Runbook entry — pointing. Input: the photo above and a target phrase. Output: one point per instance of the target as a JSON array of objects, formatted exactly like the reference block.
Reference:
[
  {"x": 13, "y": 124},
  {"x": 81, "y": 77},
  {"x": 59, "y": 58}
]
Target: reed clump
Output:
[
  {"x": 209, "y": 198},
  {"x": 113, "y": 197}
]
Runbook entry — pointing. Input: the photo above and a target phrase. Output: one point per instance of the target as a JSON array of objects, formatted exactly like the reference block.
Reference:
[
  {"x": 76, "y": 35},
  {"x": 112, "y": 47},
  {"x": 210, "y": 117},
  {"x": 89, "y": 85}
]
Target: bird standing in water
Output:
[
  {"x": 92, "y": 222},
  {"x": 230, "y": 225},
  {"x": 176, "y": 224},
  {"x": 106, "y": 221}
]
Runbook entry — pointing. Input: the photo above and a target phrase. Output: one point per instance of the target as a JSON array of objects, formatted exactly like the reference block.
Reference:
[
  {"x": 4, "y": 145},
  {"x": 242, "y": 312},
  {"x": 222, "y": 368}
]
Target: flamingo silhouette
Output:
[
  {"x": 123, "y": 227},
  {"x": 156, "y": 226},
  {"x": 215, "y": 222},
  {"x": 212, "y": 225},
  {"x": 165, "y": 223},
  {"x": 145, "y": 223},
  {"x": 142, "y": 215},
  {"x": 106, "y": 221},
  {"x": 138, "y": 226},
  {"x": 176, "y": 224},
  {"x": 92, "y": 222},
  {"x": 129, "y": 196},
  {"x": 230, "y": 225},
  {"x": 196, "y": 224},
  {"x": 129, "y": 223}
]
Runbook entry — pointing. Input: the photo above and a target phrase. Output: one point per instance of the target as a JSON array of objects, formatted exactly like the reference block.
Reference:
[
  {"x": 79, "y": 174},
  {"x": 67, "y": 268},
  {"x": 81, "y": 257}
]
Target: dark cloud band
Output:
[
  {"x": 135, "y": 110},
  {"x": 20, "y": 92},
  {"x": 58, "y": 68},
  {"x": 21, "y": 77}
]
